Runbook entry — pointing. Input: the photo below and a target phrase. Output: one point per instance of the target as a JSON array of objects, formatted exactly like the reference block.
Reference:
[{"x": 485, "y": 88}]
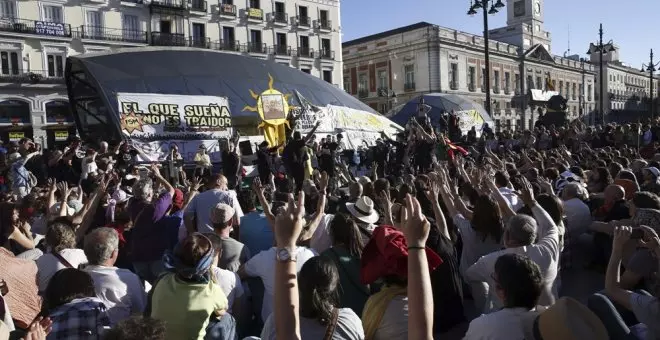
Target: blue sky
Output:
[{"x": 633, "y": 26}]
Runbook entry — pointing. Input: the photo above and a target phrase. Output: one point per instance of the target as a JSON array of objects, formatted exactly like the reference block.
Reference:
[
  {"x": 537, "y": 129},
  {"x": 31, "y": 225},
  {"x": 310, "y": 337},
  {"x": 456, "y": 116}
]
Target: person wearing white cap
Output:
[
  {"x": 234, "y": 253},
  {"x": 364, "y": 214}
]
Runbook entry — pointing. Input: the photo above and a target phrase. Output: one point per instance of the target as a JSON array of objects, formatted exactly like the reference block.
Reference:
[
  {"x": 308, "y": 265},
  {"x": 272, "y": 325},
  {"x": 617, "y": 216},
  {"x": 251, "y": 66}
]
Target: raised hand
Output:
[
  {"x": 289, "y": 223},
  {"x": 323, "y": 182},
  {"x": 527, "y": 192},
  {"x": 39, "y": 329},
  {"x": 414, "y": 225}
]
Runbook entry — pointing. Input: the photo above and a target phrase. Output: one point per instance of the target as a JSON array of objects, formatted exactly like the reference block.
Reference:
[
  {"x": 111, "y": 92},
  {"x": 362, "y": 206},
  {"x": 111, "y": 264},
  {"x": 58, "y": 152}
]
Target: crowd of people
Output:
[{"x": 401, "y": 239}]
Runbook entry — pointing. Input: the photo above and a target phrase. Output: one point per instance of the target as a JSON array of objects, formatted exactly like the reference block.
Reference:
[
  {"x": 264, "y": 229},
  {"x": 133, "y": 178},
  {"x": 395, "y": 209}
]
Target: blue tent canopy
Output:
[{"x": 440, "y": 104}]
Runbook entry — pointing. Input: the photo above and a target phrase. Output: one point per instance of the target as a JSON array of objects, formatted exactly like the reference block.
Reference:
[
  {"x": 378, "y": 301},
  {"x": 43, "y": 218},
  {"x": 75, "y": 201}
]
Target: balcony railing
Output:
[
  {"x": 54, "y": 29},
  {"x": 255, "y": 13},
  {"x": 167, "y": 39},
  {"x": 257, "y": 47},
  {"x": 363, "y": 93},
  {"x": 327, "y": 54},
  {"x": 227, "y": 9},
  {"x": 472, "y": 87},
  {"x": 483, "y": 88},
  {"x": 496, "y": 89},
  {"x": 305, "y": 52},
  {"x": 325, "y": 25},
  {"x": 280, "y": 17},
  {"x": 110, "y": 34},
  {"x": 174, "y": 4},
  {"x": 16, "y": 76},
  {"x": 409, "y": 86},
  {"x": 226, "y": 45},
  {"x": 507, "y": 90},
  {"x": 304, "y": 21},
  {"x": 280, "y": 50},
  {"x": 198, "y": 6},
  {"x": 200, "y": 42},
  {"x": 453, "y": 85},
  {"x": 134, "y": 1}
]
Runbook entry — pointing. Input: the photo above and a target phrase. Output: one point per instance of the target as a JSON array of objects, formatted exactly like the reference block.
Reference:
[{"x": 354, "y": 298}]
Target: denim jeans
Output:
[
  {"x": 223, "y": 329},
  {"x": 149, "y": 271},
  {"x": 616, "y": 319}
]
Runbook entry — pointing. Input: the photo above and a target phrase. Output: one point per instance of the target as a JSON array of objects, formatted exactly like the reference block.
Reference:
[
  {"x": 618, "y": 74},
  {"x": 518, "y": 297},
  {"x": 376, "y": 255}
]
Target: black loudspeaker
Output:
[{"x": 245, "y": 147}]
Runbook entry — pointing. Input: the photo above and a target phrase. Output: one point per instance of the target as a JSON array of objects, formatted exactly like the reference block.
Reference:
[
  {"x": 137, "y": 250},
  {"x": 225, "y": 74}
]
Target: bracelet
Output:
[{"x": 411, "y": 248}]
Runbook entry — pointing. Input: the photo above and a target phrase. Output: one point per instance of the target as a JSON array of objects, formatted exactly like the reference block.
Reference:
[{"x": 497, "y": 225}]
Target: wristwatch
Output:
[{"x": 287, "y": 254}]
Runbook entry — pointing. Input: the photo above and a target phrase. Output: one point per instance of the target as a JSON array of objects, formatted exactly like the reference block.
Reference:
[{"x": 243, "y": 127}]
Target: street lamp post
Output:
[
  {"x": 494, "y": 8},
  {"x": 651, "y": 67},
  {"x": 601, "y": 48}
]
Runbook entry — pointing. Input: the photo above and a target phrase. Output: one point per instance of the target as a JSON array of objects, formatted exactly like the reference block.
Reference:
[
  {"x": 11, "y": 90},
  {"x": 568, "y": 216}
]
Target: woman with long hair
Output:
[
  {"x": 15, "y": 233},
  {"x": 345, "y": 253},
  {"x": 320, "y": 317}
]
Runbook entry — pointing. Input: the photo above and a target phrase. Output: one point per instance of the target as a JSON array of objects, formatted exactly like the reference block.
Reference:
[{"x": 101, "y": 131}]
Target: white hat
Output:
[
  {"x": 55, "y": 209},
  {"x": 364, "y": 180},
  {"x": 363, "y": 210},
  {"x": 120, "y": 196}
]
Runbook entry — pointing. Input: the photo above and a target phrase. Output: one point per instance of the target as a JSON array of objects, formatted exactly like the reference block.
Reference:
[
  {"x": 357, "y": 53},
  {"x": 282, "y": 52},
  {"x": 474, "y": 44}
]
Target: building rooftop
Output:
[{"x": 380, "y": 35}]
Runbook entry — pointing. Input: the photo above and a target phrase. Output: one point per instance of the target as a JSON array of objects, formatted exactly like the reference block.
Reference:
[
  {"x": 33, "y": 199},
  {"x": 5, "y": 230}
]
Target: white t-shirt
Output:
[
  {"x": 514, "y": 201},
  {"x": 120, "y": 290},
  {"x": 48, "y": 265},
  {"x": 230, "y": 283},
  {"x": 202, "y": 204},
  {"x": 262, "y": 265},
  {"x": 394, "y": 324},
  {"x": 578, "y": 217},
  {"x": 545, "y": 254},
  {"x": 505, "y": 324},
  {"x": 349, "y": 327},
  {"x": 321, "y": 241}
]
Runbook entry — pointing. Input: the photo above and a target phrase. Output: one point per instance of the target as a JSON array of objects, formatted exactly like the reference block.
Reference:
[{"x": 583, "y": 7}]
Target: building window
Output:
[
  {"x": 255, "y": 4},
  {"x": 516, "y": 79},
  {"x": 561, "y": 87},
  {"x": 496, "y": 81},
  {"x": 347, "y": 84},
  {"x": 52, "y": 13},
  {"x": 471, "y": 78},
  {"x": 409, "y": 70},
  {"x": 327, "y": 76},
  {"x": 498, "y": 124},
  {"x": 94, "y": 27},
  {"x": 382, "y": 79},
  {"x": 539, "y": 83},
  {"x": 588, "y": 92},
  {"x": 507, "y": 82},
  {"x": 131, "y": 27},
  {"x": 363, "y": 83},
  {"x": 530, "y": 82},
  {"x": 453, "y": 76},
  {"x": 7, "y": 9},
  {"x": 574, "y": 92},
  {"x": 10, "y": 63},
  {"x": 306, "y": 70},
  {"x": 55, "y": 64}
]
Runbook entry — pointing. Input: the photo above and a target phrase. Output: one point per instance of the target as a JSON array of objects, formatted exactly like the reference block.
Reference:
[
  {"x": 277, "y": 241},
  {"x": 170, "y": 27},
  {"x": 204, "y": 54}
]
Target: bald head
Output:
[
  {"x": 355, "y": 190},
  {"x": 614, "y": 193}
]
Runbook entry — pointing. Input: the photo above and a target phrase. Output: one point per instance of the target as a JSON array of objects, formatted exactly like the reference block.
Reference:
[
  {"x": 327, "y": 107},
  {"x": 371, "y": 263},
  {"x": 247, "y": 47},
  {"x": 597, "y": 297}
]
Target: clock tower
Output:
[
  {"x": 524, "y": 11},
  {"x": 524, "y": 25}
]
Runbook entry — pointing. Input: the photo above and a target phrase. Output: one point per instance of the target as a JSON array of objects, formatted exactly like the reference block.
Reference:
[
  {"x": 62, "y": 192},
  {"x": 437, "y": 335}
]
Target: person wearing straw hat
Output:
[
  {"x": 365, "y": 215},
  {"x": 567, "y": 319}
]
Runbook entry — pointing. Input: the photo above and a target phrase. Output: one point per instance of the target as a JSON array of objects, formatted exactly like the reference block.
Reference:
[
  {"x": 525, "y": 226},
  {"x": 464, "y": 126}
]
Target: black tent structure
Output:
[{"x": 94, "y": 80}]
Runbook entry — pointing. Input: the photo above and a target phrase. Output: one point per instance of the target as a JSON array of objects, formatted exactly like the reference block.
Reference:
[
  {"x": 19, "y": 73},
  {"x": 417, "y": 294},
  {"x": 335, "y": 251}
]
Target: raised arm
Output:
[
  {"x": 311, "y": 133},
  {"x": 420, "y": 295},
  {"x": 433, "y": 196},
  {"x": 265, "y": 205},
  {"x": 320, "y": 209}
]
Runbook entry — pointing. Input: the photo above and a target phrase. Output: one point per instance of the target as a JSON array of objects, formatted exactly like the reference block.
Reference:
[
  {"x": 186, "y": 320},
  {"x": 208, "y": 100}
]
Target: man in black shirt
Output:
[
  {"x": 265, "y": 161},
  {"x": 294, "y": 156},
  {"x": 231, "y": 161}
]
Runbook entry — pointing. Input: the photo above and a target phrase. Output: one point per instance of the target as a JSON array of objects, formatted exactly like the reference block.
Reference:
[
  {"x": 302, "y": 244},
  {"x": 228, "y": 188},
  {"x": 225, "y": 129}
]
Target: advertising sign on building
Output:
[
  {"x": 156, "y": 121},
  {"x": 56, "y": 29}
]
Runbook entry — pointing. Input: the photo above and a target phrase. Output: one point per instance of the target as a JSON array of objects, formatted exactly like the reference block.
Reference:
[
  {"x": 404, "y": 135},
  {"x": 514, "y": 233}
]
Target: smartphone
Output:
[{"x": 637, "y": 234}]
